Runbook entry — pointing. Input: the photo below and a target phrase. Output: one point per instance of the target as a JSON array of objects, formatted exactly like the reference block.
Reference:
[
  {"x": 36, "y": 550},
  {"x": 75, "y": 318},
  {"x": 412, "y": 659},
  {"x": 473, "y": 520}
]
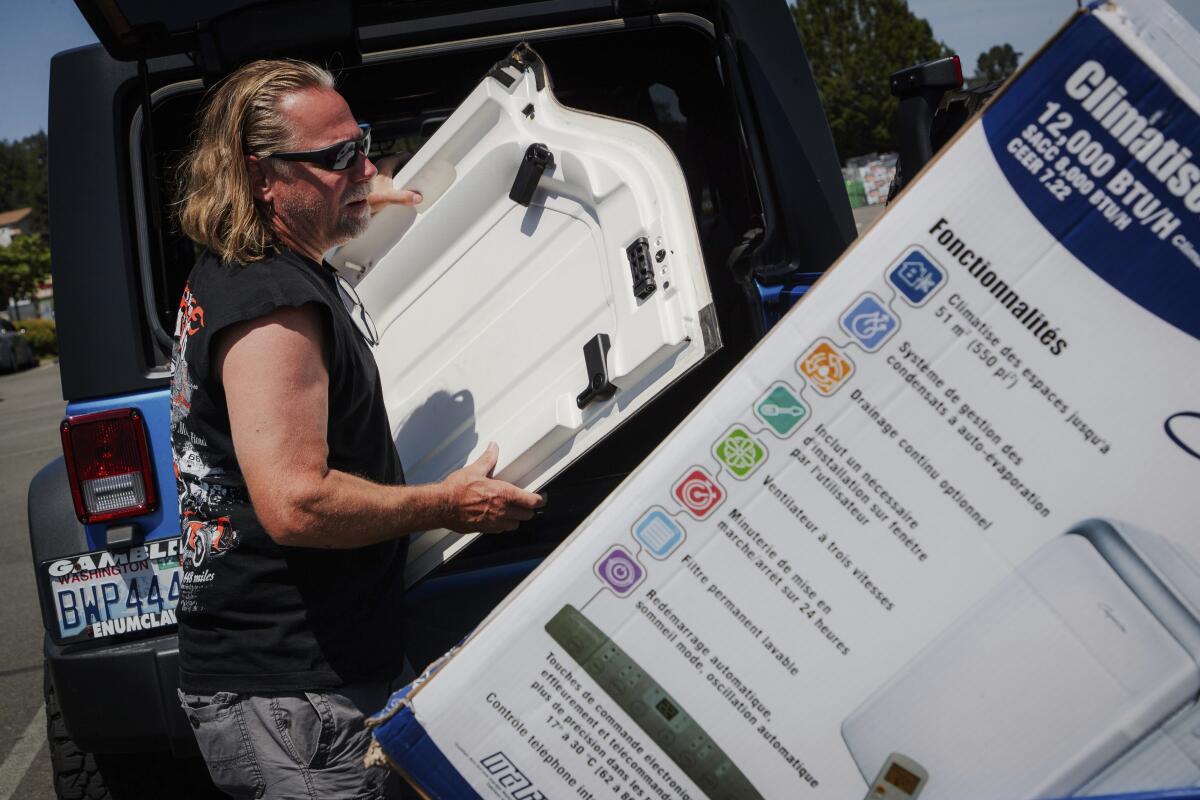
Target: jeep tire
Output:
[{"x": 79, "y": 775}]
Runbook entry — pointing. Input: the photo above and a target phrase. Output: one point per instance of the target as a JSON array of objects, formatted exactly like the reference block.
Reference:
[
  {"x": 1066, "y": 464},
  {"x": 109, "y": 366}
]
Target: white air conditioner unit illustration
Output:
[{"x": 1077, "y": 675}]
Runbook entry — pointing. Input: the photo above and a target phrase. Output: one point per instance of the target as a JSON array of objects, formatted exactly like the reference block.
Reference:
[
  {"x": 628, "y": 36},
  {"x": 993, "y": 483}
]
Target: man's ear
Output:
[{"x": 260, "y": 185}]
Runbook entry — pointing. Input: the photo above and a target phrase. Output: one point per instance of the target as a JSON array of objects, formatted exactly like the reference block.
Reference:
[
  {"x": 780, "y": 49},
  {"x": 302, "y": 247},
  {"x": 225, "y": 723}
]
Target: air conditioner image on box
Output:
[{"x": 1077, "y": 675}]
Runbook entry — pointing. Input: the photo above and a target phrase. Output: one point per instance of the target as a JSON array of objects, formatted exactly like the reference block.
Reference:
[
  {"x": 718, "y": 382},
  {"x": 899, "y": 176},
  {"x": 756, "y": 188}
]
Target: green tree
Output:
[
  {"x": 854, "y": 47},
  {"x": 23, "y": 179},
  {"x": 22, "y": 264},
  {"x": 995, "y": 64}
]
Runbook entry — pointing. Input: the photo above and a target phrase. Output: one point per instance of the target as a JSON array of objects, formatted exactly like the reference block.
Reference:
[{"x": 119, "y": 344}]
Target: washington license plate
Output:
[{"x": 109, "y": 593}]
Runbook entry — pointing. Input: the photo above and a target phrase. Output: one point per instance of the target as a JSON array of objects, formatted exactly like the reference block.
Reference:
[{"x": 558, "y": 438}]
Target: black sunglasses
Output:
[
  {"x": 357, "y": 311},
  {"x": 336, "y": 157}
]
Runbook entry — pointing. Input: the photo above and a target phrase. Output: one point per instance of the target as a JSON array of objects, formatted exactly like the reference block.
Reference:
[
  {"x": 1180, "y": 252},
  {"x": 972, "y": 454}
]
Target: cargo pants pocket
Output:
[
  {"x": 305, "y": 726},
  {"x": 322, "y": 735},
  {"x": 220, "y": 729}
]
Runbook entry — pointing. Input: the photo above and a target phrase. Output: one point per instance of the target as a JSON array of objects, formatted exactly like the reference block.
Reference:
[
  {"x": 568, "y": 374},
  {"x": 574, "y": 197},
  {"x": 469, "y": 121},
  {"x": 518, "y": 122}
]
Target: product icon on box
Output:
[
  {"x": 869, "y": 322},
  {"x": 916, "y": 276},
  {"x": 740, "y": 452},
  {"x": 781, "y": 410},
  {"x": 698, "y": 492},
  {"x": 658, "y": 533},
  {"x": 619, "y": 570},
  {"x": 825, "y": 367}
]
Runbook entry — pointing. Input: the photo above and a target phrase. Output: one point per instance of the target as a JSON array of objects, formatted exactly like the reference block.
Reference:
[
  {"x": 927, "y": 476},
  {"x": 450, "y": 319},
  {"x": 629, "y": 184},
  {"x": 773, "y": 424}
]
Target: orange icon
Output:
[{"x": 825, "y": 368}]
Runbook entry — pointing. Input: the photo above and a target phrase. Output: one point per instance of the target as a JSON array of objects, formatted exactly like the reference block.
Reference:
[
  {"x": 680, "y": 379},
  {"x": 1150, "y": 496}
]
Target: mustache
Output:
[{"x": 358, "y": 196}]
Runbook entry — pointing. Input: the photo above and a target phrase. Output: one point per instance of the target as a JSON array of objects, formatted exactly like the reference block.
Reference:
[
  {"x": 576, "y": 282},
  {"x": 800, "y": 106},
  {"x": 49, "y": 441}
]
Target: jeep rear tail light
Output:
[{"x": 108, "y": 465}]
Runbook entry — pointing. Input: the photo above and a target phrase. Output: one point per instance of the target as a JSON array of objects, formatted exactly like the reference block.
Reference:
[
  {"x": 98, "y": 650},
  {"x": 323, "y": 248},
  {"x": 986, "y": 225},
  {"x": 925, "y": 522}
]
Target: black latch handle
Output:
[
  {"x": 595, "y": 359},
  {"x": 537, "y": 159}
]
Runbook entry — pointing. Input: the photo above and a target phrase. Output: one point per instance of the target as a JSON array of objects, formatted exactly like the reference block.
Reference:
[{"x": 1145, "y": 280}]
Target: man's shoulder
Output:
[
  {"x": 237, "y": 290},
  {"x": 278, "y": 268},
  {"x": 276, "y": 265}
]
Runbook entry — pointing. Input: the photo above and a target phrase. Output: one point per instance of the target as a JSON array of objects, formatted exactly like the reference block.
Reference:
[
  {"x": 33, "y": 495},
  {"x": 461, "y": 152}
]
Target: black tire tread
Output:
[
  {"x": 80, "y": 775},
  {"x": 76, "y": 775}
]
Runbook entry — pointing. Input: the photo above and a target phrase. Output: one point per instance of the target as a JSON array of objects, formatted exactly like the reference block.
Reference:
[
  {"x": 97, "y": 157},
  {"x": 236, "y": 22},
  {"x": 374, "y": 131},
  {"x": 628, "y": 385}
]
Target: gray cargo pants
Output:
[{"x": 292, "y": 745}]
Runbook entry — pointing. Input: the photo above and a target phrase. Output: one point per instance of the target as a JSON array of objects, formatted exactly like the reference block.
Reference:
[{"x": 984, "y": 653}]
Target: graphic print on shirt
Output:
[{"x": 206, "y": 493}]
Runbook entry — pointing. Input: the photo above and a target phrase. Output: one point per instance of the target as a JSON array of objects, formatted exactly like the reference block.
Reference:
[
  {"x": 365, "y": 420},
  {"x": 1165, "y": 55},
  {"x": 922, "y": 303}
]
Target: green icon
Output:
[
  {"x": 782, "y": 410},
  {"x": 740, "y": 452}
]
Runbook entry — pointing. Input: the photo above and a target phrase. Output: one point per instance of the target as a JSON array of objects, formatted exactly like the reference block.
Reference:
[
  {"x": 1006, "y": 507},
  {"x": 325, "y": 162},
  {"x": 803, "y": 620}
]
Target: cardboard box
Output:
[{"x": 936, "y": 535}]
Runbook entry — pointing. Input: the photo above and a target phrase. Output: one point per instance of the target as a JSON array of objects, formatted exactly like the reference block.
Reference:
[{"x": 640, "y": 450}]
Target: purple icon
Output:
[{"x": 620, "y": 570}]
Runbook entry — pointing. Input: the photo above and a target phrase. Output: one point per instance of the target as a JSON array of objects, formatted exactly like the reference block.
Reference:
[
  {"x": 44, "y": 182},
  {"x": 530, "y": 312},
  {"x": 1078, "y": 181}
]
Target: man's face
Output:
[{"x": 315, "y": 207}]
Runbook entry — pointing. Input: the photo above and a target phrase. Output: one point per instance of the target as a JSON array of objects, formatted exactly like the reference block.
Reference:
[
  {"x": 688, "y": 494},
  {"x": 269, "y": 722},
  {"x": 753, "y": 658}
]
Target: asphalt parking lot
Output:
[
  {"x": 31, "y": 407},
  {"x": 865, "y": 217}
]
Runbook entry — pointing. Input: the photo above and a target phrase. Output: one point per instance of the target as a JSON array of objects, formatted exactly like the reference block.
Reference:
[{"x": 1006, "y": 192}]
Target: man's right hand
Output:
[{"x": 479, "y": 502}]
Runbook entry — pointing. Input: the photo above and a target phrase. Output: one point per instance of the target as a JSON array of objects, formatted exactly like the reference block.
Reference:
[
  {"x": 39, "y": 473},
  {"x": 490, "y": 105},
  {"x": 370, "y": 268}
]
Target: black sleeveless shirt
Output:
[{"x": 255, "y": 616}]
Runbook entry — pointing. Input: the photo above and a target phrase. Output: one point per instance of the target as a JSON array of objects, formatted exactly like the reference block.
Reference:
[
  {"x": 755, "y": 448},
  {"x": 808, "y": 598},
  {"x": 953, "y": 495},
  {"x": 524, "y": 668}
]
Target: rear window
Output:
[{"x": 665, "y": 78}]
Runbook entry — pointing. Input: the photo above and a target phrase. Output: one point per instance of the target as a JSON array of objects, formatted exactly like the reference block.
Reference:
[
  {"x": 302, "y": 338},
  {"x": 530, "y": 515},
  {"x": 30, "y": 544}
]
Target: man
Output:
[{"x": 293, "y": 509}]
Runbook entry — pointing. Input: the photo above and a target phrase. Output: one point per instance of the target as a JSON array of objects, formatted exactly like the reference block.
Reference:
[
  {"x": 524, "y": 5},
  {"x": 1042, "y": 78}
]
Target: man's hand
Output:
[
  {"x": 481, "y": 503},
  {"x": 383, "y": 193}
]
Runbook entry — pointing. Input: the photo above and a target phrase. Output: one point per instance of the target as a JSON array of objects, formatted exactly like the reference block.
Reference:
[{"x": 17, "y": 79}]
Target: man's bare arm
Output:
[{"x": 277, "y": 390}]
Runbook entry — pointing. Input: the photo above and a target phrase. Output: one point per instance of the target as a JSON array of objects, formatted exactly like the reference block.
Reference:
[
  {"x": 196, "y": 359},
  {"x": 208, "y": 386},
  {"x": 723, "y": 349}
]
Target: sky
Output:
[
  {"x": 970, "y": 27},
  {"x": 33, "y": 31}
]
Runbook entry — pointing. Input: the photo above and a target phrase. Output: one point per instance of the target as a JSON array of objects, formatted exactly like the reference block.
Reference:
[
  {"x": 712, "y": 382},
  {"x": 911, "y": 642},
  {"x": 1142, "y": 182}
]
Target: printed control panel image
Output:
[{"x": 655, "y": 711}]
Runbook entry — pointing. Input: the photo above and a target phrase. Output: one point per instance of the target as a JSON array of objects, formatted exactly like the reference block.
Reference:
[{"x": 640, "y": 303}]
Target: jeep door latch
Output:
[
  {"x": 537, "y": 159},
  {"x": 595, "y": 359}
]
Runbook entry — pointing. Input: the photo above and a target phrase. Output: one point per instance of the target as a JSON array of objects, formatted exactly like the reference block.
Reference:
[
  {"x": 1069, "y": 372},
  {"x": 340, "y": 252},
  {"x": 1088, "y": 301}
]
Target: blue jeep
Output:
[{"x": 724, "y": 82}]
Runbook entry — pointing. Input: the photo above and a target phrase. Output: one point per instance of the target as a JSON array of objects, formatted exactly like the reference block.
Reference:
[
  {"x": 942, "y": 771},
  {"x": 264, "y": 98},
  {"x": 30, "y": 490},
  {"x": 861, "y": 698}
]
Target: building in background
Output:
[
  {"x": 40, "y": 306},
  {"x": 17, "y": 222}
]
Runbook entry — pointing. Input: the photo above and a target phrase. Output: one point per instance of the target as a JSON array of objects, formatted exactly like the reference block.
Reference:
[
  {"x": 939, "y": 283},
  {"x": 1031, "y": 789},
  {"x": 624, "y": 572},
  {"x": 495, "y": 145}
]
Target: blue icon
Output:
[
  {"x": 869, "y": 322},
  {"x": 658, "y": 533},
  {"x": 916, "y": 276}
]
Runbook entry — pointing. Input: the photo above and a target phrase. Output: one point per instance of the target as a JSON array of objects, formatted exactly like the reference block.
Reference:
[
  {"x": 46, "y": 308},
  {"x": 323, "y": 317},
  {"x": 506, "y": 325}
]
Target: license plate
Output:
[{"x": 102, "y": 594}]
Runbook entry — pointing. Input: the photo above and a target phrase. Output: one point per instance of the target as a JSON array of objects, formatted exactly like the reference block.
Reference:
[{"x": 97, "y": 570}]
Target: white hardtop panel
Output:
[{"x": 484, "y": 305}]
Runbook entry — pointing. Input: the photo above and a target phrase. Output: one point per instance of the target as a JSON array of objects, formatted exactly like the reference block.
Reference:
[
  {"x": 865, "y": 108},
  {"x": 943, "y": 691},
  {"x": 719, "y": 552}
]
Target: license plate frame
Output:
[{"x": 103, "y": 594}]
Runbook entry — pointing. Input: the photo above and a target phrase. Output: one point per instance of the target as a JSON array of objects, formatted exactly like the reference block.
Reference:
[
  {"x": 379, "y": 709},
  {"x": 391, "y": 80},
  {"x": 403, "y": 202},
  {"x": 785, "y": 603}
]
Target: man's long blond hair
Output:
[{"x": 241, "y": 116}]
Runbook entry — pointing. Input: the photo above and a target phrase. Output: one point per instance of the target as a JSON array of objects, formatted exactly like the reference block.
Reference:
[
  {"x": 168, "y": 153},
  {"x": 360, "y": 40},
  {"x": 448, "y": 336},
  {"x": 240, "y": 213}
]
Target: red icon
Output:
[{"x": 698, "y": 492}]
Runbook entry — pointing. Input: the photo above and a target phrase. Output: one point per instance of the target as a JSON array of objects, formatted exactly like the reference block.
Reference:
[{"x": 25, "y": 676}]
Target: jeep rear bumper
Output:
[{"x": 121, "y": 698}]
